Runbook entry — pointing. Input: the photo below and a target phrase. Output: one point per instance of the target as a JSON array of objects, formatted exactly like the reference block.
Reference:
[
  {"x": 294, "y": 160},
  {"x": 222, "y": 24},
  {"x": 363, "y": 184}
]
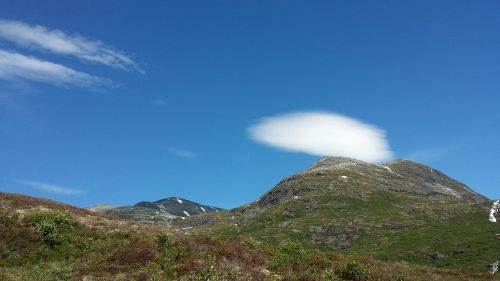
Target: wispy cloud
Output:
[
  {"x": 59, "y": 42},
  {"x": 159, "y": 102},
  {"x": 434, "y": 154},
  {"x": 183, "y": 153},
  {"x": 51, "y": 188},
  {"x": 15, "y": 66},
  {"x": 323, "y": 134}
]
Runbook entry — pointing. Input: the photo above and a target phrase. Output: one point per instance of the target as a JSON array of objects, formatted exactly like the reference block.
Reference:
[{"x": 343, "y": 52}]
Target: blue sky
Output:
[{"x": 120, "y": 101}]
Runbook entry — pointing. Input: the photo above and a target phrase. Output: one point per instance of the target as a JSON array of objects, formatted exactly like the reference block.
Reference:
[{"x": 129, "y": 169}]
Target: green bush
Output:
[
  {"x": 292, "y": 251},
  {"x": 163, "y": 240},
  {"x": 329, "y": 275},
  {"x": 354, "y": 271},
  {"x": 170, "y": 251},
  {"x": 252, "y": 242},
  {"x": 52, "y": 227}
]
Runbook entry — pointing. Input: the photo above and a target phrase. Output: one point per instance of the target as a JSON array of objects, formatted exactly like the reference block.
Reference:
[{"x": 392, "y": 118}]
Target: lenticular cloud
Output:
[{"x": 323, "y": 134}]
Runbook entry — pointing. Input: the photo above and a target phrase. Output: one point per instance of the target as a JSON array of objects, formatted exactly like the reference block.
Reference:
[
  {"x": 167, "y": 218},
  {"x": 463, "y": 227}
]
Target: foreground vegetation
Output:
[{"x": 48, "y": 241}]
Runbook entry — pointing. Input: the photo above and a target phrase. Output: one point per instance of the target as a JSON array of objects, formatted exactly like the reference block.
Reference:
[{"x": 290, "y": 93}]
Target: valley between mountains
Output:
[{"x": 340, "y": 218}]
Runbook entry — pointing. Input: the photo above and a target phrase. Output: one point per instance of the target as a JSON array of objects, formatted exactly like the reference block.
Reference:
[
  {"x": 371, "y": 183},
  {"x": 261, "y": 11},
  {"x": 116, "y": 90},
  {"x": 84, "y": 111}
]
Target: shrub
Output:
[
  {"x": 163, "y": 240},
  {"x": 329, "y": 275},
  {"x": 354, "y": 271},
  {"x": 292, "y": 251},
  {"x": 170, "y": 251},
  {"x": 252, "y": 242},
  {"x": 398, "y": 278},
  {"x": 211, "y": 272},
  {"x": 52, "y": 227}
]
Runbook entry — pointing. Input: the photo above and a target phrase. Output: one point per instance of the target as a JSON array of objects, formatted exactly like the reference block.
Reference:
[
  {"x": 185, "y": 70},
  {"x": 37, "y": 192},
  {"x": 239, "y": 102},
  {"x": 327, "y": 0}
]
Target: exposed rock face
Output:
[
  {"x": 336, "y": 236},
  {"x": 438, "y": 256},
  {"x": 400, "y": 175}
]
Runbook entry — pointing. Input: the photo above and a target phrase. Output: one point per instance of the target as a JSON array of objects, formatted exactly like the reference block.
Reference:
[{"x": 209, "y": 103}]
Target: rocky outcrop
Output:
[{"x": 336, "y": 236}]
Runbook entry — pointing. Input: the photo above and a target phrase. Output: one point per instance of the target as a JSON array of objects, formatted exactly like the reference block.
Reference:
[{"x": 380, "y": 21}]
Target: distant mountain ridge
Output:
[
  {"x": 101, "y": 208},
  {"x": 179, "y": 207},
  {"x": 158, "y": 212}
]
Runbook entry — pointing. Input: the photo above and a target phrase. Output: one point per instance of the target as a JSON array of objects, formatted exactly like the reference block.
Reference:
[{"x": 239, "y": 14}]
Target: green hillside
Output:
[{"x": 366, "y": 209}]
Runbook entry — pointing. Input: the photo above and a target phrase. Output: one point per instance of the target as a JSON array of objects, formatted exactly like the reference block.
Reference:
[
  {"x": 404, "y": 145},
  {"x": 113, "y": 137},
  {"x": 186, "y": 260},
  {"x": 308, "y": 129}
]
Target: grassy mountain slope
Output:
[{"x": 402, "y": 211}]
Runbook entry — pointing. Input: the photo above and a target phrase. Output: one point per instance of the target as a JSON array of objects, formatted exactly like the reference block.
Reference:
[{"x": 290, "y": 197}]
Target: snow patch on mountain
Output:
[
  {"x": 388, "y": 169},
  {"x": 447, "y": 190},
  {"x": 179, "y": 200},
  {"x": 494, "y": 211},
  {"x": 494, "y": 267}
]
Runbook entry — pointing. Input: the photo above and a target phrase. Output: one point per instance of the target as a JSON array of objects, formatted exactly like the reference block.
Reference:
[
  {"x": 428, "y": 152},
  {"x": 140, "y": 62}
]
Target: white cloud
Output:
[
  {"x": 15, "y": 66},
  {"x": 183, "y": 153},
  {"x": 58, "y": 42},
  {"x": 323, "y": 134},
  {"x": 51, "y": 188}
]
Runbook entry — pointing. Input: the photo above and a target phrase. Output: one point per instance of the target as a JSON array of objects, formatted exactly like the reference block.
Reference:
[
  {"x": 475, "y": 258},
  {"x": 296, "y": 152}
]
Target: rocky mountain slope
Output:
[
  {"x": 159, "y": 212},
  {"x": 401, "y": 210},
  {"x": 399, "y": 175}
]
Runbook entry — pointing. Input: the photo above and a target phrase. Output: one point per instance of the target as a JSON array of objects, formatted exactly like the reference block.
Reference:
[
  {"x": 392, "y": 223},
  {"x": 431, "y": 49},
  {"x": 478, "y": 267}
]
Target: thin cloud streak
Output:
[
  {"x": 15, "y": 66},
  {"x": 159, "y": 102},
  {"x": 435, "y": 154},
  {"x": 183, "y": 153},
  {"x": 323, "y": 134},
  {"x": 59, "y": 42},
  {"x": 51, "y": 188}
]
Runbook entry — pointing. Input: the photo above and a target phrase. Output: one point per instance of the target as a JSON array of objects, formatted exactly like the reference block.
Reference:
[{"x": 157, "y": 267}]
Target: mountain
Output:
[
  {"x": 159, "y": 212},
  {"x": 101, "y": 208},
  {"x": 401, "y": 210},
  {"x": 401, "y": 175}
]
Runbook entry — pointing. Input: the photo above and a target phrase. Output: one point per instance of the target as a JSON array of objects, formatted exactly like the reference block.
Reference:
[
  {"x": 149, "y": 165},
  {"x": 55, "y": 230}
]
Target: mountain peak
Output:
[
  {"x": 342, "y": 173},
  {"x": 332, "y": 163}
]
